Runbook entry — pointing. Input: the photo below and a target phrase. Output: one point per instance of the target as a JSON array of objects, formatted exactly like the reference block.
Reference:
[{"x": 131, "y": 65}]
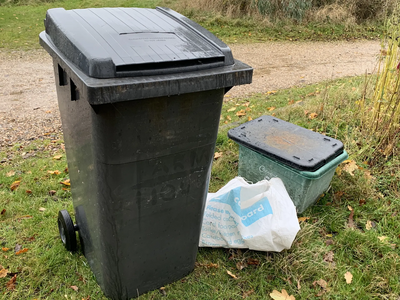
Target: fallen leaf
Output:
[
  {"x": 21, "y": 251},
  {"x": 247, "y": 104},
  {"x": 312, "y": 116},
  {"x": 229, "y": 118},
  {"x": 351, "y": 221},
  {"x": 218, "y": 155},
  {"x": 368, "y": 226},
  {"x": 55, "y": 172},
  {"x": 322, "y": 283},
  {"x": 57, "y": 157},
  {"x": 11, "y": 283},
  {"x": 253, "y": 261},
  {"x": 247, "y": 294},
  {"x": 52, "y": 192},
  {"x": 42, "y": 209},
  {"x": 281, "y": 296},
  {"x": 302, "y": 219},
  {"x": 17, "y": 247},
  {"x": 3, "y": 211},
  {"x": 74, "y": 287},
  {"x": 231, "y": 274},
  {"x": 29, "y": 192},
  {"x": 231, "y": 109},
  {"x": 290, "y": 102},
  {"x": 338, "y": 171},
  {"x": 382, "y": 238},
  {"x": 15, "y": 185},
  {"x": 211, "y": 265},
  {"x": 349, "y": 277},
  {"x": 271, "y": 92},
  {"x": 65, "y": 189},
  {"x": 25, "y": 217},
  {"x": 11, "y": 173},
  {"x": 249, "y": 118},
  {"x": 298, "y": 284},
  {"x": 4, "y": 249},
  {"x": 328, "y": 257},
  {"x": 350, "y": 167},
  {"x": 329, "y": 242},
  {"x": 3, "y": 273},
  {"x": 271, "y": 108},
  {"x": 241, "y": 265},
  {"x": 241, "y": 113},
  {"x": 66, "y": 182},
  {"x": 362, "y": 202}
]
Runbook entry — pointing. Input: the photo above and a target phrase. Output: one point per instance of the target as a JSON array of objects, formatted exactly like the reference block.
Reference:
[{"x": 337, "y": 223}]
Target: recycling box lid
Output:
[
  {"x": 287, "y": 143},
  {"x": 122, "y": 42}
]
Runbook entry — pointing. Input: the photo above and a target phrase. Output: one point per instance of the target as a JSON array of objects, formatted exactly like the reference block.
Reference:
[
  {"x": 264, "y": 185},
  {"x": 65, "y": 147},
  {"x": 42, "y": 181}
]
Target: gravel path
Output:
[{"x": 28, "y": 105}]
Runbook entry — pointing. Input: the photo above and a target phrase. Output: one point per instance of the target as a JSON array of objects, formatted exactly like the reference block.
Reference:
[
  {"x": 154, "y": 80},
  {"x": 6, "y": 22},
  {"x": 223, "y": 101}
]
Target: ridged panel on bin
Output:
[{"x": 120, "y": 42}]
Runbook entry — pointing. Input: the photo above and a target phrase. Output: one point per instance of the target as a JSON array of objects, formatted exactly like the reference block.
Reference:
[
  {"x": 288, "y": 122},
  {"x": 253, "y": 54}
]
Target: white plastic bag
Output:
[{"x": 258, "y": 216}]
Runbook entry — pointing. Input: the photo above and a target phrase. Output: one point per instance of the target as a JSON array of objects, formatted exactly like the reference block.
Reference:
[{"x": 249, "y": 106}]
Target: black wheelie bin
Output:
[{"x": 140, "y": 93}]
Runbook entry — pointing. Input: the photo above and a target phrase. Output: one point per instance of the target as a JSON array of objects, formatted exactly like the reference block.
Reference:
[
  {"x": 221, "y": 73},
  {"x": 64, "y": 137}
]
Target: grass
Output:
[
  {"x": 21, "y": 24},
  {"x": 47, "y": 271}
]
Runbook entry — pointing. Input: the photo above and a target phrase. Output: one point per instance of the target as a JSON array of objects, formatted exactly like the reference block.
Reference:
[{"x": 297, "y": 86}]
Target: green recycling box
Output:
[{"x": 304, "y": 160}]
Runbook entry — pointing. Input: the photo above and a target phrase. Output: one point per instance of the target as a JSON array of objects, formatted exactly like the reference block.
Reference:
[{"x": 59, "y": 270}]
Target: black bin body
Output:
[{"x": 140, "y": 93}]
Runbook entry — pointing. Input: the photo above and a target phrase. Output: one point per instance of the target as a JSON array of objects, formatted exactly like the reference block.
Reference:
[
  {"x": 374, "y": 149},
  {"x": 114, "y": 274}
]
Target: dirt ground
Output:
[{"x": 28, "y": 103}]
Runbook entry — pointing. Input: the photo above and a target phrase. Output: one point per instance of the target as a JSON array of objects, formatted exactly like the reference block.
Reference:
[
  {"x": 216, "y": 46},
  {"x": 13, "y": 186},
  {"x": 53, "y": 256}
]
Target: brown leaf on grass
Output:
[
  {"x": 329, "y": 242},
  {"x": 253, "y": 261},
  {"x": 52, "y": 192},
  {"x": 57, "y": 157},
  {"x": 11, "y": 173},
  {"x": 218, "y": 155},
  {"x": 382, "y": 238},
  {"x": 3, "y": 272},
  {"x": 368, "y": 226},
  {"x": 241, "y": 113},
  {"x": 29, "y": 192},
  {"x": 240, "y": 265},
  {"x": 42, "y": 209},
  {"x": 312, "y": 116},
  {"x": 247, "y": 294},
  {"x": 21, "y": 251},
  {"x": 211, "y": 265},
  {"x": 74, "y": 287},
  {"x": 55, "y": 172},
  {"x": 247, "y": 104},
  {"x": 3, "y": 211},
  {"x": 231, "y": 274},
  {"x": 229, "y": 118},
  {"x": 15, "y": 185},
  {"x": 362, "y": 202},
  {"x": 271, "y": 92},
  {"x": 11, "y": 283},
  {"x": 66, "y": 170},
  {"x": 328, "y": 257},
  {"x": 4, "y": 249},
  {"x": 322, "y": 283},
  {"x": 351, "y": 220},
  {"x": 17, "y": 247},
  {"x": 349, "y": 277},
  {"x": 350, "y": 166},
  {"x": 271, "y": 108},
  {"x": 231, "y": 109},
  {"x": 66, "y": 182},
  {"x": 303, "y": 219},
  {"x": 249, "y": 118},
  {"x": 281, "y": 295},
  {"x": 290, "y": 102}
]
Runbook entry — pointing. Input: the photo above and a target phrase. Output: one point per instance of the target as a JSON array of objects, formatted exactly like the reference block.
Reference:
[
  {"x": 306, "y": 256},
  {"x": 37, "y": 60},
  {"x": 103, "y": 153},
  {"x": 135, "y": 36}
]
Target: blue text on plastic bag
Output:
[{"x": 249, "y": 215}]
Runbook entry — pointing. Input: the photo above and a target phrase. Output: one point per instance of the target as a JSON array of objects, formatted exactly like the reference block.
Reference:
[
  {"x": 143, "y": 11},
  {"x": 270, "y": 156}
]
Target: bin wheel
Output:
[{"x": 67, "y": 230}]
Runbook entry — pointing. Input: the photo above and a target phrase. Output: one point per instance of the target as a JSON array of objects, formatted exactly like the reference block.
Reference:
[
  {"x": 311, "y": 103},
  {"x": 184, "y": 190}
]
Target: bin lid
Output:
[
  {"x": 121, "y": 42},
  {"x": 287, "y": 143}
]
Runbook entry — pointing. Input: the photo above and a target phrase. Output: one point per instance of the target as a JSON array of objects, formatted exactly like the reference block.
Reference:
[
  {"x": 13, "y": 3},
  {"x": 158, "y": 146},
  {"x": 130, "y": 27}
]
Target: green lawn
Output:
[{"x": 352, "y": 229}]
